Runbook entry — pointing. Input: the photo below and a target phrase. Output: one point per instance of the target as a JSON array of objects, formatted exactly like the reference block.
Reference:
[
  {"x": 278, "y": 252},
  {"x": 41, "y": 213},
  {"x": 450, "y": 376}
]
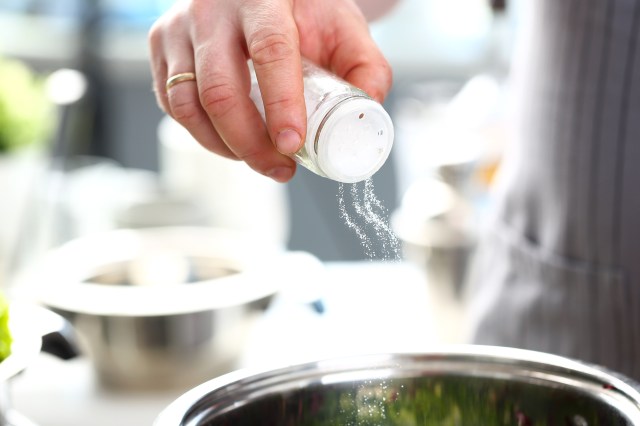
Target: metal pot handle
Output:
[
  {"x": 58, "y": 336},
  {"x": 61, "y": 344}
]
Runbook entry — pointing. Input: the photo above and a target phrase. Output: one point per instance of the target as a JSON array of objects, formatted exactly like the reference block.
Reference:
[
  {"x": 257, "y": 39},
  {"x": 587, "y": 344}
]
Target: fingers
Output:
[
  {"x": 224, "y": 87},
  {"x": 213, "y": 39},
  {"x": 359, "y": 61},
  {"x": 272, "y": 43},
  {"x": 181, "y": 100},
  {"x": 372, "y": 75},
  {"x": 158, "y": 64},
  {"x": 347, "y": 48}
]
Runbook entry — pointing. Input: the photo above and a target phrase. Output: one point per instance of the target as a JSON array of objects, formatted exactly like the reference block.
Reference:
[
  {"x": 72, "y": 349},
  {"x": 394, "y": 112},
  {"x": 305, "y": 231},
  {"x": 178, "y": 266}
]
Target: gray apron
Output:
[{"x": 559, "y": 267}]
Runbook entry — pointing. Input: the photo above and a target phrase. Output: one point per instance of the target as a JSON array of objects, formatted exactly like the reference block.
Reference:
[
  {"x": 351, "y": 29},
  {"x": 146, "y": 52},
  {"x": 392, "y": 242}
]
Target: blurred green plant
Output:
[
  {"x": 5, "y": 333},
  {"x": 26, "y": 112}
]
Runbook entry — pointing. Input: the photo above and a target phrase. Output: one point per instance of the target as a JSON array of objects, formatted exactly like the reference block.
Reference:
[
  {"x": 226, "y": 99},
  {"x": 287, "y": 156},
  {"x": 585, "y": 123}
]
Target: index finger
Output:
[
  {"x": 223, "y": 82},
  {"x": 273, "y": 45}
]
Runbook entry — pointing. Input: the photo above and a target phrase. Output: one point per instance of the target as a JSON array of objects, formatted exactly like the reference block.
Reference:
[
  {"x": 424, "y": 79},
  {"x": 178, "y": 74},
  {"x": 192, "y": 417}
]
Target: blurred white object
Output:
[
  {"x": 445, "y": 127},
  {"x": 163, "y": 210},
  {"x": 431, "y": 214},
  {"x": 431, "y": 36},
  {"x": 84, "y": 195},
  {"x": 236, "y": 196},
  {"x": 71, "y": 198},
  {"x": 435, "y": 226},
  {"x": 97, "y": 189},
  {"x": 19, "y": 174},
  {"x": 66, "y": 86}
]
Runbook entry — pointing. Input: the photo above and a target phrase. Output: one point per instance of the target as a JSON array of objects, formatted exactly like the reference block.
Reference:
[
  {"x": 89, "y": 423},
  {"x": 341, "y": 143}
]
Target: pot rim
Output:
[{"x": 240, "y": 387}]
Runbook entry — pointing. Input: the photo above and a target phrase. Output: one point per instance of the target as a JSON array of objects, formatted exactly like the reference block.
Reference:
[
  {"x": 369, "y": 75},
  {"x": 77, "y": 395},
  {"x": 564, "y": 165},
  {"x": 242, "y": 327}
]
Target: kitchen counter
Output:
[{"x": 368, "y": 307}]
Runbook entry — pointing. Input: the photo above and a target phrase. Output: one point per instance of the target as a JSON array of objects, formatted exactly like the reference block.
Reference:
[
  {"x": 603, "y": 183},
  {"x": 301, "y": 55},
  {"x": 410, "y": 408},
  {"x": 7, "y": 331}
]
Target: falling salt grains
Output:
[
  {"x": 349, "y": 137},
  {"x": 368, "y": 218},
  {"x": 351, "y": 223},
  {"x": 377, "y": 215}
]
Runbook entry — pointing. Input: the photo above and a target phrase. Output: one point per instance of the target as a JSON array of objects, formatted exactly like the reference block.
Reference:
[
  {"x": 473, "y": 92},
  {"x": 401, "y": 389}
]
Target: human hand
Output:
[{"x": 214, "y": 39}]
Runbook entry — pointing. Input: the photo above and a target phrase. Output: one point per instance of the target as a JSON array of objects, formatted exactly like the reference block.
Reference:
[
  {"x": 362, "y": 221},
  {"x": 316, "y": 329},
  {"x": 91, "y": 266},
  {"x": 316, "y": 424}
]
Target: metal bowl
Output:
[
  {"x": 161, "y": 307},
  {"x": 455, "y": 386}
]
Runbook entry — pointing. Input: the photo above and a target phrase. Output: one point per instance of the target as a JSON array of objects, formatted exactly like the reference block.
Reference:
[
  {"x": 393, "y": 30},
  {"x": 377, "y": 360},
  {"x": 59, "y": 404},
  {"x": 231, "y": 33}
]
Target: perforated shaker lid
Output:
[{"x": 355, "y": 140}]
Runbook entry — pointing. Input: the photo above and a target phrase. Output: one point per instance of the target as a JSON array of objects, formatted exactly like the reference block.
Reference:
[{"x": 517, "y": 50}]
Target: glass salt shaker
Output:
[{"x": 349, "y": 135}]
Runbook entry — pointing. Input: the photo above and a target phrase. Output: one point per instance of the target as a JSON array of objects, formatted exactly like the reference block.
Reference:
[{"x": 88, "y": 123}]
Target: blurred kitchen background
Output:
[
  {"x": 112, "y": 160},
  {"x": 434, "y": 49}
]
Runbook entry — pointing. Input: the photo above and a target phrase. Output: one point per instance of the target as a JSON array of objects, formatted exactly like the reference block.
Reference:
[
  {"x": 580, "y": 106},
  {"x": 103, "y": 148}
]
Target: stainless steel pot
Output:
[
  {"x": 162, "y": 307},
  {"x": 463, "y": 385}
]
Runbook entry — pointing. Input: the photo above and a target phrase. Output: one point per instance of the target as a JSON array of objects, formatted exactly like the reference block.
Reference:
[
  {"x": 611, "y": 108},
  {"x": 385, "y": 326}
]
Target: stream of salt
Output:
[{"x": 363, "y": 213}]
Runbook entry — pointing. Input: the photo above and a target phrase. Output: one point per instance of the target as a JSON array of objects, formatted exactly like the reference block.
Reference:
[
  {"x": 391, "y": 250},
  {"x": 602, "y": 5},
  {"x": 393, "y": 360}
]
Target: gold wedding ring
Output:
[{"x": 179, "y": 78}]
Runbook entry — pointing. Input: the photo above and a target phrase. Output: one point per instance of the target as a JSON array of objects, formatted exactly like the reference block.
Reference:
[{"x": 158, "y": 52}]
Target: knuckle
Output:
[
  {"x": 387, "y": 71},
  {"x": 269, "y": 46},
  {"x": 161, "y": 27},
  {"x": 215, "y": 145},
  {"x": 282, "y": 103},
  {"x": 198, "y": 7},
  {"x": 222, "y": 151},
  {"x": 386, "y": 77},
  {"x": 184, "y": 108},
  {"x": 219, "y": 98},
  {"x": 175, "y": 24},
  {"x": 161, "y": 100},
  {"x": 256, "y": 158},
  {"x": 185, "y": 112},
  {"x": 154, "y": 36}
]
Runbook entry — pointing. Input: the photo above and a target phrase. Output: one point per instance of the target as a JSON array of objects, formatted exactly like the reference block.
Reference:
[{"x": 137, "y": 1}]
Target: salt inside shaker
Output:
[{"x": 349, "y": 135}]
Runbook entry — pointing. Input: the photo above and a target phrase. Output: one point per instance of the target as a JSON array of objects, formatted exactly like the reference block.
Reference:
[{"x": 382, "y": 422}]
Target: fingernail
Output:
[
  {"x": 280, "y": 174},
  {"x": 288, "y": 141}
]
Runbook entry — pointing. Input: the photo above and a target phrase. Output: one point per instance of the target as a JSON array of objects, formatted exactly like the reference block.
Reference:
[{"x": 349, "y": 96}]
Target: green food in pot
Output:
[{"x": 419, "y": 401}]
